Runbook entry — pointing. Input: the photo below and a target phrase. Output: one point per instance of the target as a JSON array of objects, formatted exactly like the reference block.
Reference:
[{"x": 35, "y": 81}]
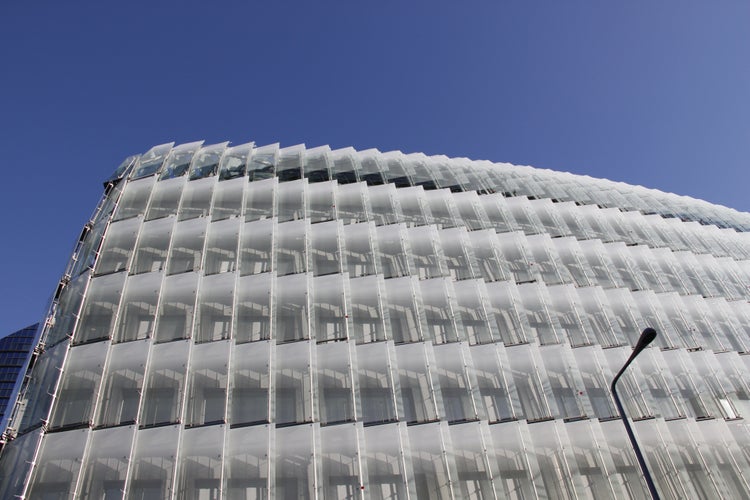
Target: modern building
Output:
[
  {"x": 15, "y": 353},
  {"x": 254, "y": 322}
]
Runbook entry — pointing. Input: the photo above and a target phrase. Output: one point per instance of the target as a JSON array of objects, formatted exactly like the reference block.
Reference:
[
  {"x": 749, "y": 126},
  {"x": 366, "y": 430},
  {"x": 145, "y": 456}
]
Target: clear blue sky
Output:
[{"x": 651, "y": 93}]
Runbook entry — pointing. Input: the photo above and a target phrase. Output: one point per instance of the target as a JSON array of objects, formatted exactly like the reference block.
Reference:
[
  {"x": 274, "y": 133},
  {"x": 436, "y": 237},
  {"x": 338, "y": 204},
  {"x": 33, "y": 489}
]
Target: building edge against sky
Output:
[{"x": 260, "y": 322}]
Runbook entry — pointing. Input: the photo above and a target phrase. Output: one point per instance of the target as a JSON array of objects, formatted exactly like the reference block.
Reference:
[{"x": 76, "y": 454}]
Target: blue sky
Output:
[{"x": 651, "y": 93}]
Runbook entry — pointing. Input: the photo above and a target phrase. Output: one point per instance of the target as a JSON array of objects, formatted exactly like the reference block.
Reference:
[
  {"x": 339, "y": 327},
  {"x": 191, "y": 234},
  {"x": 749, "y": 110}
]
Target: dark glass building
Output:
[
  {"x": 261, "y": 322},
  {"x": 15, "y": 352}
]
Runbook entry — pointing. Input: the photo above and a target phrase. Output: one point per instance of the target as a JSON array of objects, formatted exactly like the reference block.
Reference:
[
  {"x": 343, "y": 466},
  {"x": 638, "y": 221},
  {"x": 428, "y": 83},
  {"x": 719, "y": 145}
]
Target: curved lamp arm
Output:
[{"x": 647, "y": 336}]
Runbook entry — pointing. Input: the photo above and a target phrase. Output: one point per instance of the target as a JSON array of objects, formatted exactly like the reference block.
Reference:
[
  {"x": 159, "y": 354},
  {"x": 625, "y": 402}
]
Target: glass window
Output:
[
  {"x": 529, "y": 381},
  {"x": 99, "y": 308},
  {"x": 350, "y": 203},
  {"x": 490, "y": 265},
  {"x": 289, "y": 167},
  {"x": 87, "y": 249},
  {"x": 123, "y": 383},
  {"x": 294, "y": 470},
  {"x": 234, "y": 162},
  {"x": 391, "y": 243},
  {"x": 256, "y": 250},
  {"x": 153, "y": 464},
  {"x": 431, "y": 477},
  {"x": 291, "y": 201},
  {"x": 175, "y": 318},
  {"x": 377, "y": 391},
  {"x": 293, "y": 381},
  {"x": 118, "y": 246},
  {"x": 151, "y": 161},
  {"x": 207, "y": 392},
  {"x": 291, "y": 310},
  {"x": 153, "y": 243},
  {"x": 443, "y": 210},
  {"x": 134, "y": 199},
  {"x": 253, "y": 310},
  {"x": 79, "y": 386},
  {"x": 417, "y": 392},
  {"x": 200, "y": 462},
  {"x": 329, "y": 311},
  {"x": 565, "y": 382},
  {"x": 250, "y": 383},
  {"x": 382, "y": 208},
  {"x": 567, "y": 310},
  {"x": 122, "y": 169},
  {"x": 34, "y": 403},
  {"x": 196, "y": 199},
  {"x": 506, "y": 311},
  {"x": 469, "y": 452},
  {"x": 570, "y": 257},
  {"x": 228, "y": 199},
  {"x": 186, "y": 253},
  {"x": 165, "y": 385},
  {"x": 499, "y": 398},
  {"x": 550, "y": 453},
  {"x": 370, "y": 168},
  {"x": 325, "y": 255},
  {"x": 343, "y": 168},
  {"x": 545, "y": 264},
  {"x": 178, "y": 161},
  {"x": 291, "y": 254},
  {"x": 317, "y": 163},
  {"x": 456, "y": 382},
  {"x": 206, "y": 162},
  {"x": 106, "y": 465},
  {"x": 602, "y": 321},
  {"x": 166, "y": 199},
  {"x": 367, "y": 317},
  {"x": 262, "y": 163},
  {"x": 413, "y": 206},
  {"x": 598, "y": 262},
  {"x": 515, "y": 465},
  {"x": 470, "y": 211},
  {"x": 340, "y": 467},
  {"x": 221, "y": 247},
  {"x": 136, "y": 319},
  {"x": 535, "y": 300},
  {"x": 442, "y": 324},
  {"x": 246, "y": 463},
  {"x": 386, "y": 477},
  {"x": 498, "y": 214},
  {"x": 457, "y": 255},
  {"x": 259, "y": 199},
  {"x": 515, "y": 255},
  {"x": 67, "y": 311},
  {"x": 320, "y": 202},
  {"x": 414, "y": 164},
  {"x": 403, "y": 312},
  {"x": 394, "y": 170},
  {"x": 58, "y": 465},
  {"x": 472, "y": 306},
  {"x": 358, "y": 249},
  {"x": 424, "y": 251},
  {"x": 215, "y": 300},
  {"x": 445, "y": 176},
  {"x": 335, "y": 394}
]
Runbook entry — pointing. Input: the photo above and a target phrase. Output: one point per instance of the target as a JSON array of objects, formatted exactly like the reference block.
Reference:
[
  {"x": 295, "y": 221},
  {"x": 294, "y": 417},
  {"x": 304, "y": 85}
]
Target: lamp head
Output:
[{"x": 647, "y": 336}]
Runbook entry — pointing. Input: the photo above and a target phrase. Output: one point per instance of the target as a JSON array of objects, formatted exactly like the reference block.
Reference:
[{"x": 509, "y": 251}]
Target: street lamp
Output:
[{"x": 648, "y": 335}]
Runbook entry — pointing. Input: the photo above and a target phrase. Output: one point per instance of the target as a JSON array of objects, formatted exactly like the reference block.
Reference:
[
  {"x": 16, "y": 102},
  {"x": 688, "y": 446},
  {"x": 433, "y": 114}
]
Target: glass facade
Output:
[
  {"x": 262, "y": 322},
  {"x": 15, "y": 353}
]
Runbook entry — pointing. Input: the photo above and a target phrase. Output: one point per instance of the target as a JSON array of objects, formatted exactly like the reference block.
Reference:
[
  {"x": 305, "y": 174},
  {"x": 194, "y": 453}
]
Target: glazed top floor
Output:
[{"x": 223, "y": 162}]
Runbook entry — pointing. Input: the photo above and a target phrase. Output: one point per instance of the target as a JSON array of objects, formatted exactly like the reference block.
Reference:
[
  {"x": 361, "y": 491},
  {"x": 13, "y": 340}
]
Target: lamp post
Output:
[{"x": 648, "y": 335}]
